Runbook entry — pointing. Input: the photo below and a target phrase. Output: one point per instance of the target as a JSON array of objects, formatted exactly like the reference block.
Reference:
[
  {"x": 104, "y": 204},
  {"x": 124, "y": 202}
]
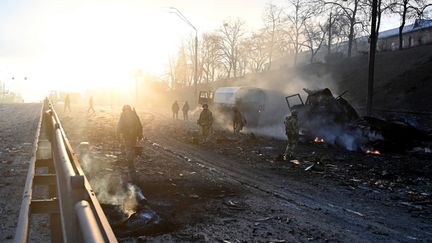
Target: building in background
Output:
[
  {"x": 7, "y": 96},
  {"x": 416, "y": 34}
]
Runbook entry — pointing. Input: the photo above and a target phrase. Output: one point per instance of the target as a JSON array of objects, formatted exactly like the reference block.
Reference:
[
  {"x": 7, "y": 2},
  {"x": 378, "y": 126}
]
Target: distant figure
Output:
[
  {"x": 67, "y": 103},
  {"x": 175, "y": 109},
  {"x": 238, "y": 121},
  {"x": 91, "y": 105},
  {"x": 129, "y": 130},
  {"x": 185, "y": 110},
  {"x": 292, "y": 132},
  {"x": 205, "y": 121}
]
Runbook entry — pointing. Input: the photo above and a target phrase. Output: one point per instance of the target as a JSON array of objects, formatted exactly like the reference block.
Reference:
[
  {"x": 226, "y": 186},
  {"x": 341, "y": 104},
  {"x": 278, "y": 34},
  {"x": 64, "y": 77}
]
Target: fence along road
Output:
[{"x": 74, "y": 211}]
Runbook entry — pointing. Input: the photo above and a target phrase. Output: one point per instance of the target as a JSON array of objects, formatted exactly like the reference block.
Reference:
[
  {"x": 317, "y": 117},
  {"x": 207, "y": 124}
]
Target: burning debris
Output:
[
  {"x": 318, "y": 140},
  {"x": 124, "y": 203},
  {"x": 127, "y": 208},
  {"x": 323, "y": 117},
  {"x": 373, "y": 151}
]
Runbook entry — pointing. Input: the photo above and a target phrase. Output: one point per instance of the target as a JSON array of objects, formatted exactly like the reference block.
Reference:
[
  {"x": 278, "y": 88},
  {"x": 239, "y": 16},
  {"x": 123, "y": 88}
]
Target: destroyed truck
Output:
[
  {"x": 335, "y": 121},
  {"x": 250, "y": 101}
]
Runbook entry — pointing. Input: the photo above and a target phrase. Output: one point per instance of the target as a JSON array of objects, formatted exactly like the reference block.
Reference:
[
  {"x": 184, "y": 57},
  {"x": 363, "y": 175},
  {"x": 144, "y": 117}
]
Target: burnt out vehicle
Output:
[
  {"x": 322, "y": 104},
  {"x": 335, "y": 120},
  {"x": 250, "y": 101}
]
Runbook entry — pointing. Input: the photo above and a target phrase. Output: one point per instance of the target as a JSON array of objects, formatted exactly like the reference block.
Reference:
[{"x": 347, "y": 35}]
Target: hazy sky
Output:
[{"x": 74, "y": 44}]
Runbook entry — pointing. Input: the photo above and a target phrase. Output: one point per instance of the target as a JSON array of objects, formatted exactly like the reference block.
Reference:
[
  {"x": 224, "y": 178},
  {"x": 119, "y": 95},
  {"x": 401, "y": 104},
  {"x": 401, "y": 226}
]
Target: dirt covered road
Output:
[
  {"x": 18, "y": 124},
  {"x": 235, "y": 189}
]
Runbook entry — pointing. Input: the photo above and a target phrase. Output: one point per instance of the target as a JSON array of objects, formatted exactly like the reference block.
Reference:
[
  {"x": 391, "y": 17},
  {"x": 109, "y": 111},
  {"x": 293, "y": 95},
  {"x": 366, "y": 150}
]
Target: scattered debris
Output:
[
  {"x": 295, "y": 161},
  {"x": 354, "y": 212}
]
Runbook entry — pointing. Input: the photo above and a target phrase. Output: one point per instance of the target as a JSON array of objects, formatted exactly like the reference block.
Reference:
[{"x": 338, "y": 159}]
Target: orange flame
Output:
[
  {"x": 373, "y": 151},
  {"x": 318, "y": 140}
]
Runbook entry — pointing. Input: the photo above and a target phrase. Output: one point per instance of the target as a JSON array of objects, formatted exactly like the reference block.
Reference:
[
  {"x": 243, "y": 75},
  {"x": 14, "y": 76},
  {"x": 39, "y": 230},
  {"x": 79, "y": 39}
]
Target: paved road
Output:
[{"x": 18, "y": 123}]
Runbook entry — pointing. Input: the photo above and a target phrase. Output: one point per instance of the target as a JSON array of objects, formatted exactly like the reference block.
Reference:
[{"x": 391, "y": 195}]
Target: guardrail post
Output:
[{"x": 75, "y": 213}]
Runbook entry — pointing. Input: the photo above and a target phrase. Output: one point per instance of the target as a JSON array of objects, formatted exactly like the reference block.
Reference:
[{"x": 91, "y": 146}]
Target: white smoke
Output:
[{"x": 110, "y": 188}]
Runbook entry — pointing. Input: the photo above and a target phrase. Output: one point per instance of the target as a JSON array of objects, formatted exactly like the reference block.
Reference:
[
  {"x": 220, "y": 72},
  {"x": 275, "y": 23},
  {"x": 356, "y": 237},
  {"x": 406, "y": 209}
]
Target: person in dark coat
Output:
[
  {"x": 129, "y": 130},
  {"x": 185, "y": 110},
  {"x": 175, "y": 109}
]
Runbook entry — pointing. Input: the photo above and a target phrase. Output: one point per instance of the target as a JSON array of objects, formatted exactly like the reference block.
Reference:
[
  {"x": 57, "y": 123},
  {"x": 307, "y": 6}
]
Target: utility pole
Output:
[
  {"x": 372, "y": 51},
  {"x": 181, "y": 16},
  {"x": 196, "y": 66}
]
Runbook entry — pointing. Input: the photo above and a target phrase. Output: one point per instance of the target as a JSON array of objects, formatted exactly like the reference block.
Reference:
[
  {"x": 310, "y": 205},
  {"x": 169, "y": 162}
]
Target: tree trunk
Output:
[
  {"x": 312, "y": 56},
  {"x": 329, "y": 35},
  {"x": 379, "y": 13},
  {"x": 405, "y": 3},
  {"x": 350, "y": 40},
  {"x": 271, "y": 48},
  {"x": 352, "y": 23},
  {"x": 372, "y": 50}
]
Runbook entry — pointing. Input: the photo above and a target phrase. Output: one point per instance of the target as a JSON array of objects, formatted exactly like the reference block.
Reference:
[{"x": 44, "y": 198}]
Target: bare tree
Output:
[
  {"x": 273, "y": 20},
  {"x": 231, "y": 33},
  {"x": 351, "y": 10},
  {"x": 296, "y": 20},
  {"x": 384, "y": 6},
  {"x": 171, "y": 72},
  {"x": 408, "y": 9},
  {"x": 181, "y": 71},
  {"x": 333, "y": 26},
  {"x": 315, "y": 34},
  {"x": 211, "y": 55},
  {"x": 255, "y": 51}
]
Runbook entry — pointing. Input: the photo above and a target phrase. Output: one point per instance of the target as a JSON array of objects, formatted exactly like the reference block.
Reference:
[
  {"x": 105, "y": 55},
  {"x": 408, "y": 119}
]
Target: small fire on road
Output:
[
  {"x": 373, "y": 151},
  {"x": 318, "y": 140}
]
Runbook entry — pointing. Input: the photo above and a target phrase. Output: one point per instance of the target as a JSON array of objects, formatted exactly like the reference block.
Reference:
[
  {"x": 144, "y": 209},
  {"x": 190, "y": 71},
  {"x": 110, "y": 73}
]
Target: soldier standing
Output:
[
  {"x": 67, "y": 103},
  {"x": 129, "y": 128},
  {"x": 205, "y": 121},
  {"x": 175, "y": 109},
  {"x": 238, "y": 121},
  {"x": 185, "y": 110},
  {"x": 292, "y": 132}
]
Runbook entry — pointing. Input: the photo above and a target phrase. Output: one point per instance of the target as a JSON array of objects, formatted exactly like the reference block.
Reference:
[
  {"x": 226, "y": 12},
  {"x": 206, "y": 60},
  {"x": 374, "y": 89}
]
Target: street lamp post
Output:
[{"x": 181, "y": 16}]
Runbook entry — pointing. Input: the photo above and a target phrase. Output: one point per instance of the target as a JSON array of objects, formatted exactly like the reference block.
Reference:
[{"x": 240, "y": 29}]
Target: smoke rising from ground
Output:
[{"x": 110, "y": 189}]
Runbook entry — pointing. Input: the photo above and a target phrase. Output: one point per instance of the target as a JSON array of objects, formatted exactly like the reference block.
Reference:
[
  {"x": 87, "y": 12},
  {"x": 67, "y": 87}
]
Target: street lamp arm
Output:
[{"x": 180, "y": 15}]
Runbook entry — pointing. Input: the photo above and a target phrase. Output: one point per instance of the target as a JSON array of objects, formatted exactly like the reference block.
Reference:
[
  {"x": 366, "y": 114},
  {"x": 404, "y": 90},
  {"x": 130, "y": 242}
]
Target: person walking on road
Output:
[
  {"x": 67, "y": 103},
  {"x": 205, "y": 121},
  {"x": 175, "y": 109},
  {"x": 129, "y": 131},
  {"x": 185, "y": 110},
  {"x": 91, "y": 105}
]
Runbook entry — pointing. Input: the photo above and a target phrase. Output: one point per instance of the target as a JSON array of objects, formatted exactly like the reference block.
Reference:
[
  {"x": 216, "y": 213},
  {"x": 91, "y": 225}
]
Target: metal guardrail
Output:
[{"x": 75, "y": 213}]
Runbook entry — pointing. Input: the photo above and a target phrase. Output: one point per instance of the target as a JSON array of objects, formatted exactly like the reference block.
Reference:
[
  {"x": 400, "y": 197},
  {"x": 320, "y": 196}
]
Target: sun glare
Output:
[{"x": 99, "y": 46}]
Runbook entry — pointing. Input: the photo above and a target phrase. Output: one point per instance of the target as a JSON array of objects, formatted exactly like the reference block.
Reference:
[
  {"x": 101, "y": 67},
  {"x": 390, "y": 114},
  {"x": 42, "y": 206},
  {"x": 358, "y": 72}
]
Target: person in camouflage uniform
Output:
[
  {"x": 205, "y": 121},
  {"x": 175, "y": 109},
  {"x": 129, "y": 130},
  {"x": 185, "y": 110},
  {"x": 292, "y": 132},
  {"x": 238, "y": 121}
]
